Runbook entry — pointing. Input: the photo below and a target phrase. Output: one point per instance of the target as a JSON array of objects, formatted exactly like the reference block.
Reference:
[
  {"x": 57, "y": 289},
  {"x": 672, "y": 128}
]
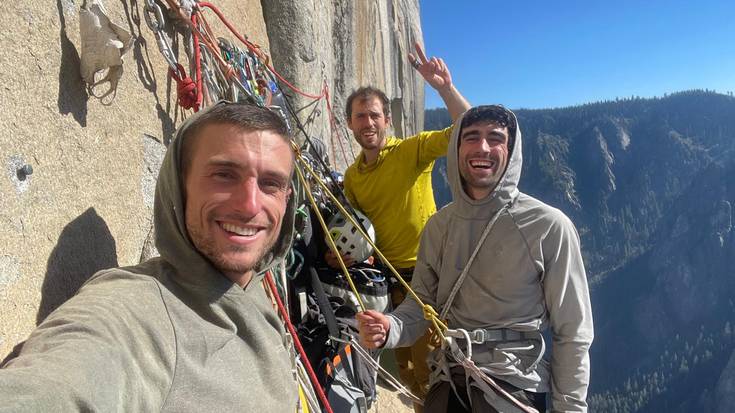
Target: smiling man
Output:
[
  {"x": 192, "y": 330},
  {"x": 500, "y": 267},
  {"x": 390, "y": 182}
]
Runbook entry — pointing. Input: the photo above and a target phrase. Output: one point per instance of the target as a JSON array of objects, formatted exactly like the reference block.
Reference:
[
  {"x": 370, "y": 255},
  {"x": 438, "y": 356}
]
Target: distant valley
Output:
[{"x": 650, "y": 185}]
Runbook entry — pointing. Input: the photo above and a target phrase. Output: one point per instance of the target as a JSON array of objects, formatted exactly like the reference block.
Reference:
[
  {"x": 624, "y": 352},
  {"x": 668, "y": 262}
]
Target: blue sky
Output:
[{"x": 554, "y": 53}]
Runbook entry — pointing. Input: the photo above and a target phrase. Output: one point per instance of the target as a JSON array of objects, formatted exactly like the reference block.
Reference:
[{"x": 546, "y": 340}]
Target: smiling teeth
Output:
[
  {"x": 481, "y": 164},
  {"x": 239, "y": 230}
]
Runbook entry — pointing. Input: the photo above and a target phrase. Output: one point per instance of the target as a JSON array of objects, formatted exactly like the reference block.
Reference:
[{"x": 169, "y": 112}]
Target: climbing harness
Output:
[{"x": 452, "y": 348}]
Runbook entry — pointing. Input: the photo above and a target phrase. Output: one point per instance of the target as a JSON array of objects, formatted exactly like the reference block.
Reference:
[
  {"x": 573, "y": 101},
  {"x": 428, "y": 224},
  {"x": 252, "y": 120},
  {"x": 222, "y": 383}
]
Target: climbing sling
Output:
[{"x": 451, "y": 347}]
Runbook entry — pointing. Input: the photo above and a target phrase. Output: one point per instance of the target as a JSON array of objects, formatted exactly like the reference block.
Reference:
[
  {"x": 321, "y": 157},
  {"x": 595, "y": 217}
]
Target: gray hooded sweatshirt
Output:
[
  {"x": 527, "y": 276},
  {"x": 172, "y": 334}
]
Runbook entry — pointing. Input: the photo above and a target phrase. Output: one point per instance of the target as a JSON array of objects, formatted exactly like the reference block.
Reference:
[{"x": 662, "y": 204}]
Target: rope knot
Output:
[
  {"x": 186, "y": 88},
  {"x": 429, "y": 312}
]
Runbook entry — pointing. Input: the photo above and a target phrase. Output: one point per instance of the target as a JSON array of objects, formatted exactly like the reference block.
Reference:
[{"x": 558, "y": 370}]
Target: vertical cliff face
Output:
[
  {"x": 87, "y": 204},
  {"x": 348, "y": 45}
]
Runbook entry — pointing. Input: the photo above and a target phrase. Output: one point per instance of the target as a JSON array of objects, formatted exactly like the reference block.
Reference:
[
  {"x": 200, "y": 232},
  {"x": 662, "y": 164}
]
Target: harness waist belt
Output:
[{"x": 482, "y": 335}]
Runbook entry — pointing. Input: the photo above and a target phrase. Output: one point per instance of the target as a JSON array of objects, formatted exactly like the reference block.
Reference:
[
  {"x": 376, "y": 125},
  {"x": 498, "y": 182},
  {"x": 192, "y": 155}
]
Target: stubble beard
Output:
[
  {"x": 380, "y": 136},
  {"x": 468, "y": 181},
  {"x": 207, "y": 247}
]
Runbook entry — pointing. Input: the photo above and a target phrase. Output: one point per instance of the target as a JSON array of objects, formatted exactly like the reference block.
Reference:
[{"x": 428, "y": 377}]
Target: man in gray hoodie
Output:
[
  {"x": 500, "y": 267},
  {"x": 193, "y": 329}
]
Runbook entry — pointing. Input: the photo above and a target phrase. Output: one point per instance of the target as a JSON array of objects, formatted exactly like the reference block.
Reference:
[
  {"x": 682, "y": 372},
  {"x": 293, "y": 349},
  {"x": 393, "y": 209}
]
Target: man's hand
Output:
[
  {"x": 374, "y": 327},
  {"x": 333, "y": 262},
  {"x": 434, "y": 71}
]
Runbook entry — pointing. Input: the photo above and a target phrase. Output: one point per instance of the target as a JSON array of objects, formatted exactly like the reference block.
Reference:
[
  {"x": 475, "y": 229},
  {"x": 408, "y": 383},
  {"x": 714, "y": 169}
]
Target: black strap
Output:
[{"x": 323, "y": 301}]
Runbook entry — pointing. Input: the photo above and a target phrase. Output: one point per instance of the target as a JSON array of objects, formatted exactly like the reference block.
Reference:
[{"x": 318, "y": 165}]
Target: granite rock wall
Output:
[{"x": 87, "y": 203}]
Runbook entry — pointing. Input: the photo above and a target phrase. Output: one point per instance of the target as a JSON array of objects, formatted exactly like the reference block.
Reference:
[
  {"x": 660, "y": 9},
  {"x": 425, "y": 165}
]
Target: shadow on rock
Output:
[
  {"x": 85, "y": 246},
  {"x": 72, "y": 91}
]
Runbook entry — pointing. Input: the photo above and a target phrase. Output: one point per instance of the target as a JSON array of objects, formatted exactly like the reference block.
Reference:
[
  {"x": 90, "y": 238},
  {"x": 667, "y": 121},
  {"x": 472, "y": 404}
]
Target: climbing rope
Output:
[
  {"x": 375, "y": 365},
  {"x": 257, "y": 51},
  {"x": 287, "y": 320},
  {"x": 483, "y": 380},
  {"x": 236, "y": 75},
  {"x": 190, "y": 13},
  {"x": 330, "y": 241},
  {"x": 186, "y": 88},
  {"x": 429, "y": 312},
  {"x": 197, "y": 63},
  {"x": 333, "y": 124}
]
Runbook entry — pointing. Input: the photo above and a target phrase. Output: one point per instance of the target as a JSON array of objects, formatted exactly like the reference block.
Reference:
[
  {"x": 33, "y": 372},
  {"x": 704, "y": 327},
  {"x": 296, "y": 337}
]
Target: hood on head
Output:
[
  {"x": 507, "y": 188},
  {"x": 172, "y": 238}
]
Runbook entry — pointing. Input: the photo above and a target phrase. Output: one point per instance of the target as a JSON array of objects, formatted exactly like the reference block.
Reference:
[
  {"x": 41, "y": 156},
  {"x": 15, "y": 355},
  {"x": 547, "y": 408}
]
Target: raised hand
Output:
[
  {"x": 434, "y": 71},
  {"x": 374, "y": 327}
]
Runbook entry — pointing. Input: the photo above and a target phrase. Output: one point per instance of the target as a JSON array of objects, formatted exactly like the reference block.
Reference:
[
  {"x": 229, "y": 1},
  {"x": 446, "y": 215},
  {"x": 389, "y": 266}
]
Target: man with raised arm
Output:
[
  {"x": 500, "y": 267},
  {"x": 390, "y": 182}
]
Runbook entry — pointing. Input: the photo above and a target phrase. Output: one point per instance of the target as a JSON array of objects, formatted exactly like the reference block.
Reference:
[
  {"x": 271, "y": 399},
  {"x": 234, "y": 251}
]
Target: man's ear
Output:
[{"x": 388, "y": 121}]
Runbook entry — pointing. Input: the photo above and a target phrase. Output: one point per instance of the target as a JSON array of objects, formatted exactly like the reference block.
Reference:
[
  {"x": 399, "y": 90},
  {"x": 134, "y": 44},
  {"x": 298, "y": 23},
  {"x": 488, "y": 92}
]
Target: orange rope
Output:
[{"x": 197, "y": 63}]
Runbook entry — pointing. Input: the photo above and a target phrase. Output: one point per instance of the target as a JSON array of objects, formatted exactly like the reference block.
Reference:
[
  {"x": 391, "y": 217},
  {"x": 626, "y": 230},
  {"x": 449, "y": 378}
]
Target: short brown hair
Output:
[
  {"x": 247, "y": 117},
  {"x": 366, "y": 92}
]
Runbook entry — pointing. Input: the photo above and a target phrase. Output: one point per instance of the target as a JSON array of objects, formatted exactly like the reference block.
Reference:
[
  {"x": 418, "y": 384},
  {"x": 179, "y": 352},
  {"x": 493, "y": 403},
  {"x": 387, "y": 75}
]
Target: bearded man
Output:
[{"x": 193, "y": 329}]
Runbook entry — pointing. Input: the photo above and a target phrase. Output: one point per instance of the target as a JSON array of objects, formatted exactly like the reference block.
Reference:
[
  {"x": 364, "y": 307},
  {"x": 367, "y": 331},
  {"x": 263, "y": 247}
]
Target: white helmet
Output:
[{"x": 348, "y": 239}]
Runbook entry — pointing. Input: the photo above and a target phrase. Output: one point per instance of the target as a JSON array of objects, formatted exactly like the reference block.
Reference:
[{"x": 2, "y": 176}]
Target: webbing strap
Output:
[
  {"x": 500, "y": 335},
  {"x": 482, "y": 335},
  {"x": 323, "y": 301},
  {"x": 465, "y": 271}
]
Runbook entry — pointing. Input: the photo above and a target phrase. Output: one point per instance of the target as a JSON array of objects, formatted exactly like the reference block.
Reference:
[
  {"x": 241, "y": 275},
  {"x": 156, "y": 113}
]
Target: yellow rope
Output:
[
  {"x": 429, "y": 312},
  {"x": 329, "y": 239}
]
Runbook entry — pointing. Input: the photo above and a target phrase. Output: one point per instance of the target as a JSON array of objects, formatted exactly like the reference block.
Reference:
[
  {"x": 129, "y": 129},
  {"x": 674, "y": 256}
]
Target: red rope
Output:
[
  {"x": 253, "y": 48},
  {"x": 186, "y": 89},
  {"x": 197, "y": 63},
  {"x": 297, "y": 342},
  {"x": 333, "y": 124}
]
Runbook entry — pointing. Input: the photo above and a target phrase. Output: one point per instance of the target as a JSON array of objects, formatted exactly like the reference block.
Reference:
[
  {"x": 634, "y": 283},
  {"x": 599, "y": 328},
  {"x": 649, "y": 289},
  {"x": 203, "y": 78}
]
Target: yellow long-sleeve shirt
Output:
[{"x": 395, "y": 192}]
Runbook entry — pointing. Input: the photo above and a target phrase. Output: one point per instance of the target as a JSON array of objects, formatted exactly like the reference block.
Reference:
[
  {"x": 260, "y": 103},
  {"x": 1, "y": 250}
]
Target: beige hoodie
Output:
[
  {"x": 527, "y": 276},
  {"x": 170, "y": 335}
]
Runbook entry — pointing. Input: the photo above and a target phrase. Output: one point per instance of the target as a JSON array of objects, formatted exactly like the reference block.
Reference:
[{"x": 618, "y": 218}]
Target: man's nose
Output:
[
  {"x": 247, "y": 198},
  {"x": 485, "y": 145}
]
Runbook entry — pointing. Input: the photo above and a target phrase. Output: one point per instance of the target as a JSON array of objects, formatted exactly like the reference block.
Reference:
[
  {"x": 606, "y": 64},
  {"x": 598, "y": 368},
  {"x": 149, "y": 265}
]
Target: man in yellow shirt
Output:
[{"x": 390, "y": 182}]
